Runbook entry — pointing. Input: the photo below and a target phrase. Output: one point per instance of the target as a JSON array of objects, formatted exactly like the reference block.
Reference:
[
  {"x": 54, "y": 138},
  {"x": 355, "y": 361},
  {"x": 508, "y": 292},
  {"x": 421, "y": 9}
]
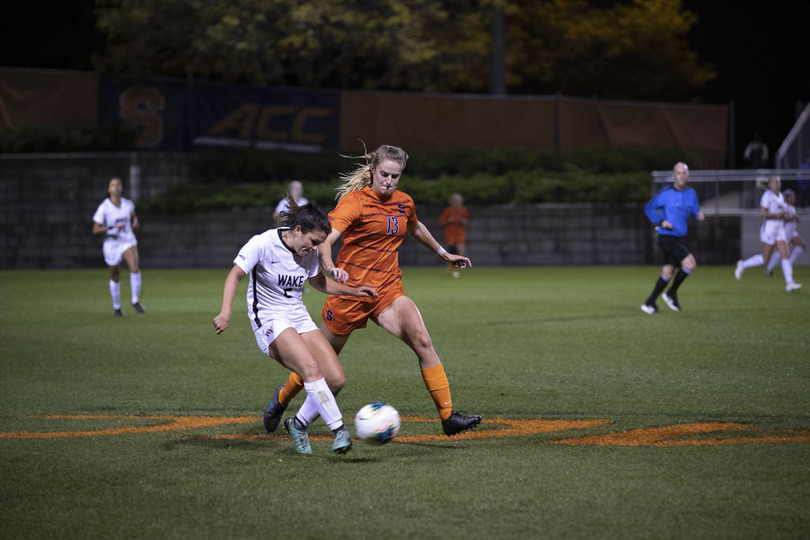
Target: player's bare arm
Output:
[
  {"x": 223, "y": 320},
  {"x": 98, "y": 228},
  {"x": 328, "y": 286},
  {"x": 325, "y": 256}
]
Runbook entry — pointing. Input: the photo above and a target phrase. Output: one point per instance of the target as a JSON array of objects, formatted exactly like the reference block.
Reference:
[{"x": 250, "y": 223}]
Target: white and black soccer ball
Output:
[{"x": 377, "y": 423}]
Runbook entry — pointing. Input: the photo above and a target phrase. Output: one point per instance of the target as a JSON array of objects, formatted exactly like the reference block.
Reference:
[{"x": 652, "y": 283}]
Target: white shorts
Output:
[
  {"x": 272, "y": 328},
  {"x": 790, "y": 231},
  {"x": 772, "y": 231},
  {"x": 114, "y": 250}
]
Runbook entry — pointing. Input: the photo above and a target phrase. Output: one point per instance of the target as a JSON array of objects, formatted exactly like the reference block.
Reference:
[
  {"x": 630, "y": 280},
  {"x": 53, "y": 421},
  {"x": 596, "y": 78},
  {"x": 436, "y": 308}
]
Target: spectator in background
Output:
[
  {"x": 115, "y": 218},
  {"x": 756, "y": 153},
  {"x": 454, "y": 219},
  {"x": 295, "y": 191}
]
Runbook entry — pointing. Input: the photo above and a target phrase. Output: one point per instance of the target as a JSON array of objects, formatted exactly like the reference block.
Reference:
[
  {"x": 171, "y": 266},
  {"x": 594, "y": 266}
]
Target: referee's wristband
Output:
[{"x": 441, "y": 251}]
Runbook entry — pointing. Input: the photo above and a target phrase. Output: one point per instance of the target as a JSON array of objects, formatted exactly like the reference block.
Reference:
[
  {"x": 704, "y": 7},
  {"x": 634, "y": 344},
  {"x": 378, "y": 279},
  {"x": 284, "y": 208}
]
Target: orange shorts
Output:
[
  {"x": 455, "y": 235},
  {"x": 344, "y": 314}
]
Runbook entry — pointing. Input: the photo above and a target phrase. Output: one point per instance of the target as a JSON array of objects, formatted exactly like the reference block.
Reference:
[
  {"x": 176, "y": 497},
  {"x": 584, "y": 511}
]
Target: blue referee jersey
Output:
[{"x": 674, "y": 206}]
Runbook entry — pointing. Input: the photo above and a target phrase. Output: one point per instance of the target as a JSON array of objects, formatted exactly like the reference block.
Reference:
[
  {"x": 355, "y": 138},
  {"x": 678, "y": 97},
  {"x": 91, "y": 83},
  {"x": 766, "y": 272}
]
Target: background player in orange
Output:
[
  {"x": 454, "y": 219},
  {"x": 373, "y": 217}
]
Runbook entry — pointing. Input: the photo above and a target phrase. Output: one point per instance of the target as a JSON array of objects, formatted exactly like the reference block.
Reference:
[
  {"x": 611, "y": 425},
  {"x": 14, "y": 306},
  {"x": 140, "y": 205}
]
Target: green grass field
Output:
[{"x": 600, "y": 421}]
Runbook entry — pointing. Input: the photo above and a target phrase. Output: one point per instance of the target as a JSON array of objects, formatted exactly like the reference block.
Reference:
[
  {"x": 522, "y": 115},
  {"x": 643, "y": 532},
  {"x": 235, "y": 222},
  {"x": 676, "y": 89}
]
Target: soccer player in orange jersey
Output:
[
  {"x": 454, "y": 219},
  {"x": 373, "y": 218}
]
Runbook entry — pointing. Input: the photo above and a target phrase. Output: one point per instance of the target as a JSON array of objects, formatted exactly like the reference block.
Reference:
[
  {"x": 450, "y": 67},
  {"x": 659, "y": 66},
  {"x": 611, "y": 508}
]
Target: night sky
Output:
[{"x": 757, "y": 48}]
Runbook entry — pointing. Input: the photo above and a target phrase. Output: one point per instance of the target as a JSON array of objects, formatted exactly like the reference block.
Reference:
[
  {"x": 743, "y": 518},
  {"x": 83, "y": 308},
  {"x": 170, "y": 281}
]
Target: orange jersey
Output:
[
  {"x": 372, "y": 231},
  {"x": 454, "y": 219}
]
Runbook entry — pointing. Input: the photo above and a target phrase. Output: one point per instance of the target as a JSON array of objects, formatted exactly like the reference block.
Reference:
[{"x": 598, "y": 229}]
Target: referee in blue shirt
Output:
[{"x": 668, "y": 210}]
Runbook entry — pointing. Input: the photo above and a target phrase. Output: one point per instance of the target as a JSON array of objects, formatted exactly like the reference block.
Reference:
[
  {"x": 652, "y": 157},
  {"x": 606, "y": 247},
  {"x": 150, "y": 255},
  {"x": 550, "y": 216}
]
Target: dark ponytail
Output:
[{"x": 309, "y": 217}]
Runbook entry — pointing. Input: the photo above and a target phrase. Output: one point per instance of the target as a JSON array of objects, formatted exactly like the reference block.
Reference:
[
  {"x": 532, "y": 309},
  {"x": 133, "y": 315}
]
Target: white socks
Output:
[
  {"x": 135, "y": 285},
  {"x": 320, "y": 401},
  {"x": 751, "y": 262},
  {"x": 787, "y": 270},
  {"x": 115, "y": 292},
  {"x": 776, "y": 257}
]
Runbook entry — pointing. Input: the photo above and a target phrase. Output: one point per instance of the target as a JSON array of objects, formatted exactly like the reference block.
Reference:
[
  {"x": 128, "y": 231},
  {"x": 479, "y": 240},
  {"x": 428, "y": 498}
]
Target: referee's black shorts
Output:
[{"x": 674, "y": 249}]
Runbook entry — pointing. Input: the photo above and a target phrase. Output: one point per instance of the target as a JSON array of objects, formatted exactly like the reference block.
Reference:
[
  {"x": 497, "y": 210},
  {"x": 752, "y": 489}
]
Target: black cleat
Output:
[
  {"x": 138, "y": 307},
  {"x": 458, "y": 422},
  {"x": 117, "y": 313},
  {"x": 273, "y": 412},
  {"x": 672, "y": 301}
]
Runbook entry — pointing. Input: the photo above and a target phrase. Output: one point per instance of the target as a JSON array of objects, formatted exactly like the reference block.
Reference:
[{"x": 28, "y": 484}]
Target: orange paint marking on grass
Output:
[
  {"x": 510, "y": 428},
  {"x": 664, "y": 436},
  {"x": 668, "y": 436},
  {"x": 167, "y": 423}
]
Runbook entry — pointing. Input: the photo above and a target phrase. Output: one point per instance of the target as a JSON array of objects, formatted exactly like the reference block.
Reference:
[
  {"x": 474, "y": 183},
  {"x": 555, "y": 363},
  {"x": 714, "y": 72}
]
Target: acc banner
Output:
[{"x": 175, "y": 115}]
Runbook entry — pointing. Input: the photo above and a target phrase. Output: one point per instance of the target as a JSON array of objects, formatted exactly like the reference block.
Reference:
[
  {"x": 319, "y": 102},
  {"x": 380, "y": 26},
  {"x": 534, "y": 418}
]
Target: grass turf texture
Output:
[{"x": 520, "y": 344}]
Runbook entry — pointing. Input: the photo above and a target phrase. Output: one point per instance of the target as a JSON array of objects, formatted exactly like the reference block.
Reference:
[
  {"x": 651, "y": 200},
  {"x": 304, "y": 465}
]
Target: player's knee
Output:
[
  {"x": 421, "y": 343},
  {"x": 336, "y": 383},
  {"x": 689, "y": 263},
  {"x": 309, "y": 370}
]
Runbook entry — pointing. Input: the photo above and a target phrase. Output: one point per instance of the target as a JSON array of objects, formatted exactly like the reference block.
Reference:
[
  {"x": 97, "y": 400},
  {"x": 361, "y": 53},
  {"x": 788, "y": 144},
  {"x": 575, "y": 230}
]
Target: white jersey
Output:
[
  {"x": 277, "y": 278},
  {"x": 773, "y": 229},
  {"x": 773, "y": 202},
  {"x": 109, "y": 215},
  {"x": 790, "y": 226},
  {"x": 284, "y": 205}
]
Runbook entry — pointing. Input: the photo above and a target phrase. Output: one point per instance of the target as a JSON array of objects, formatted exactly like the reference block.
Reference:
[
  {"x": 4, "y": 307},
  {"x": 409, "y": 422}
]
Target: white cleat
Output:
[
  {"x": 672, "y": 302},
  {"x": 649, "y": 309},
  {"x": 739, "y": 270},
  {"x": 793, "y": 286}
]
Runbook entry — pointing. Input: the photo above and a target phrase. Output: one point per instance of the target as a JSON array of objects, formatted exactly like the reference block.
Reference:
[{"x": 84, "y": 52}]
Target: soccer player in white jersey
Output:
[
  {"x": 278, "y": 262},
  {"x": 296, "y": 193},
  {"x": 115, "y": 218},
  {"x": 773, "y": 209},
  {"x": 792, "y": 234}
]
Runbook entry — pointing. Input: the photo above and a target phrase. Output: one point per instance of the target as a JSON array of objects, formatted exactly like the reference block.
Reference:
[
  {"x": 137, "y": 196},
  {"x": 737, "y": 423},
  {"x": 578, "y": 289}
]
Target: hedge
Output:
[{"x": 256, "y": 178}]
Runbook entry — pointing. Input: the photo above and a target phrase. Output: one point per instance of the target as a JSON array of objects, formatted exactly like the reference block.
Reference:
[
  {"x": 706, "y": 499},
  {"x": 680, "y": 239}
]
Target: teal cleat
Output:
[
  {"x": 299, "y": 436},
  {"x": 343, "y": 441}
]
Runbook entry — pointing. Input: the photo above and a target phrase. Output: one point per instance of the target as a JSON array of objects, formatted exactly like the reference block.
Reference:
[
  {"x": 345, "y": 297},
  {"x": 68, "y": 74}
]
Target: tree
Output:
[
  {"x": 392, "y": 44},
  {"x": 630, "y": 51},
  {"x": 633, "y": 50}
]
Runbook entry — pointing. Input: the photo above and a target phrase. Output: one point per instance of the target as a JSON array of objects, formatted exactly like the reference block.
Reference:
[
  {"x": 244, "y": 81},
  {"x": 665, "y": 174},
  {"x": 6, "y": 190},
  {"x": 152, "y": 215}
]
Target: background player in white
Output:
[
  {"x": 772, "y": 233},
  {"x": 116, "y": 218},
  {"x": 792, "y": 234},
  {"x": 296, "y": 193},
  {"x": 279, "y": 261}
]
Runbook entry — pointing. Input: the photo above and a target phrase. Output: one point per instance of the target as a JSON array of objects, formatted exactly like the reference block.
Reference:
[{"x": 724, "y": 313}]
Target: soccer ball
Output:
[{"x": 377, "y": 423}]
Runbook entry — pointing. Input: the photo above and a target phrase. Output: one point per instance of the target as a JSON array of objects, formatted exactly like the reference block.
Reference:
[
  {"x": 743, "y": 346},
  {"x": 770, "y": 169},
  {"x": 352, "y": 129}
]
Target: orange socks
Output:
[
  {"x": 435, "y": 381},
  {"x": 294, "y": 385},
  {"x": 439, "y": 388}
]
